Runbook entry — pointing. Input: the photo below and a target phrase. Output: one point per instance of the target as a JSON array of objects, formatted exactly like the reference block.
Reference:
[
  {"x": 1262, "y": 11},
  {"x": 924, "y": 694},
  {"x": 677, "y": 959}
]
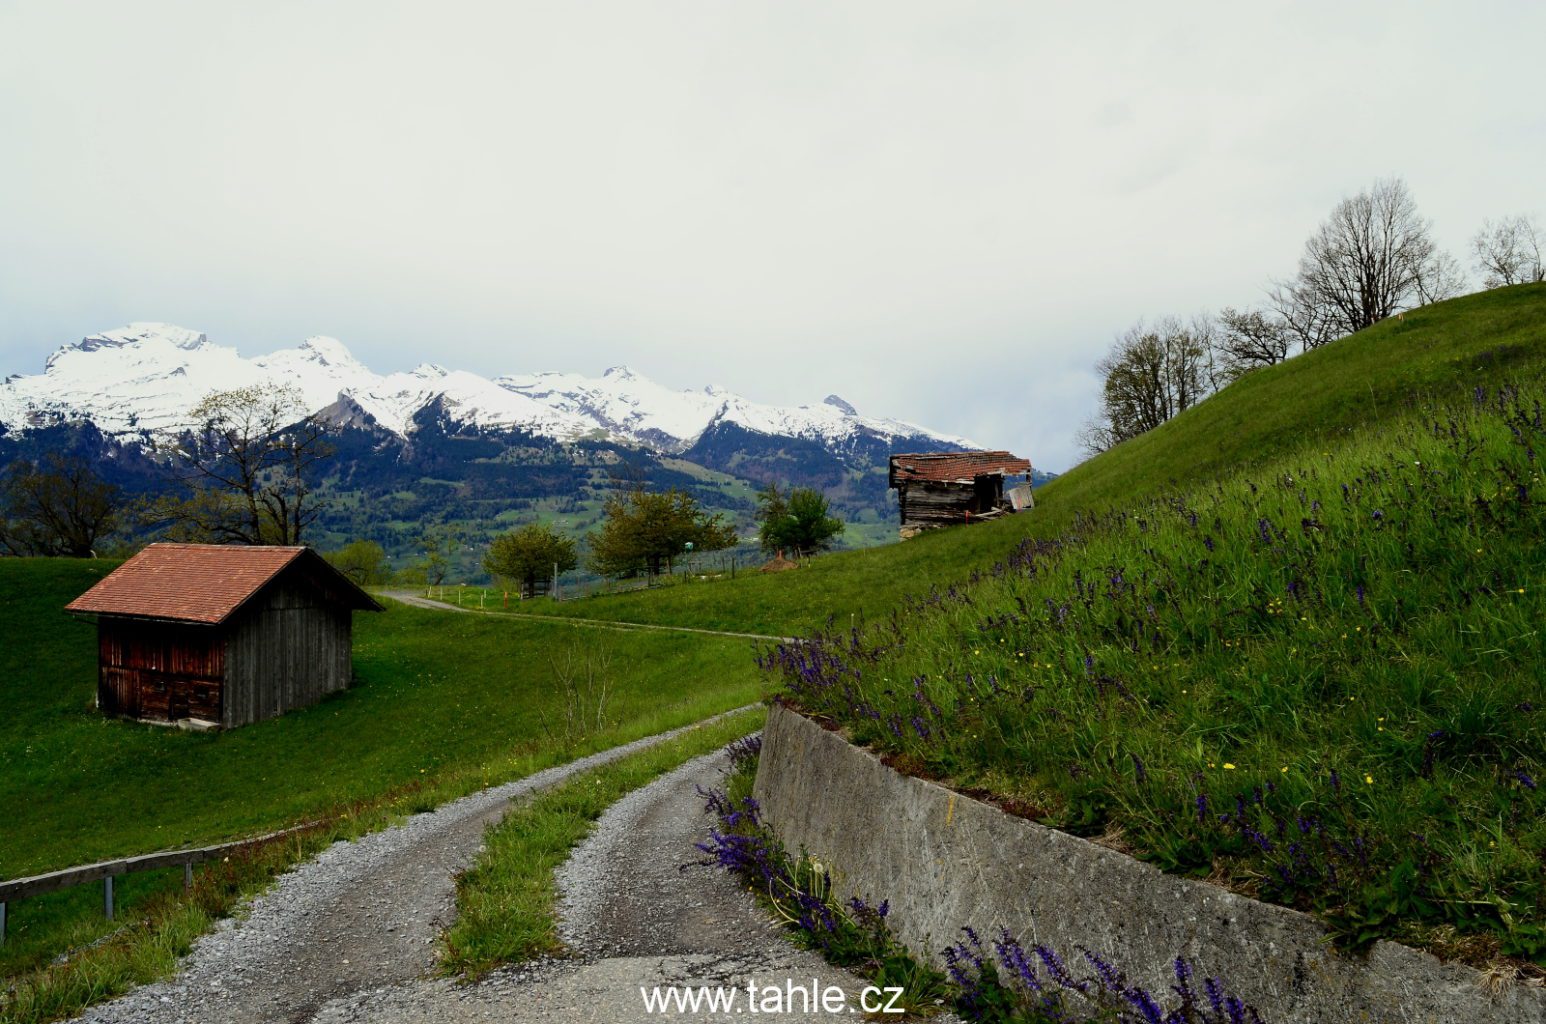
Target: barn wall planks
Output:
[
  {"x": 160, "y": 671},
  {"x": 933, "y": 503},
  {"x": 289, "y": 649}
]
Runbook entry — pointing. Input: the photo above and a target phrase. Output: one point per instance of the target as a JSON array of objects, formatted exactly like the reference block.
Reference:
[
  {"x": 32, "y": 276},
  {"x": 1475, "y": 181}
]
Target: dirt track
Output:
[{"x": 361, "y": 915}]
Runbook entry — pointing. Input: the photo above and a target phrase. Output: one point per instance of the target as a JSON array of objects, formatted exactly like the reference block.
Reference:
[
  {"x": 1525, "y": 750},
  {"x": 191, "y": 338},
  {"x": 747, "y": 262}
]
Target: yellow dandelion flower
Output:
[
  {"x": 1228, "y": 766},
  {"x": 1369, "y": 779},
  {"x": 1284, "y": 769}
]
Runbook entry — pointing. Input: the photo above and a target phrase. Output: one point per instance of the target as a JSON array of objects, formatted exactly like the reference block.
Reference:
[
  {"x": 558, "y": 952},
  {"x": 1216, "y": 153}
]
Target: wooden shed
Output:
[
  {"x": 221, "y": 635},
  {"x": 951, "y": 488}
]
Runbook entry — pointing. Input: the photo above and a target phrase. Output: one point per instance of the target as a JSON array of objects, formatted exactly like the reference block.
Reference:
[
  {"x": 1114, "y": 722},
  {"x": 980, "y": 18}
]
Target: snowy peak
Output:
[
  {"x": 146, "y": 336},
  {"x": 328, "y": 352},
  {"x": 145, "y": 378},
  {"x": 840, "y": 405}
]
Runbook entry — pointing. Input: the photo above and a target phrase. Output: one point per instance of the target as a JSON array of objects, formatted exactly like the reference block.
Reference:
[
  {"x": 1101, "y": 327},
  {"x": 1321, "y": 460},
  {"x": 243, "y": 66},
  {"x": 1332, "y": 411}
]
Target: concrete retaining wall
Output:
[{"x": 945, "y": 860}]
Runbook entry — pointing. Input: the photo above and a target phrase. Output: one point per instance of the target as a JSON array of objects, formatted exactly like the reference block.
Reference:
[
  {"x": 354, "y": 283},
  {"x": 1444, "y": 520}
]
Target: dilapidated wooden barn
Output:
[
  {"x": 950, "y": 488},
  {"x": 221, "y": 635}
]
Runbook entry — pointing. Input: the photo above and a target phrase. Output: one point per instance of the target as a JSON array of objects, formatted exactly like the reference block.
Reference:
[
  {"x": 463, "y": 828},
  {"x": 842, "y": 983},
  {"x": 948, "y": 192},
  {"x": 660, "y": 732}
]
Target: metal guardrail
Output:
[{"x": 107, "y": 870}]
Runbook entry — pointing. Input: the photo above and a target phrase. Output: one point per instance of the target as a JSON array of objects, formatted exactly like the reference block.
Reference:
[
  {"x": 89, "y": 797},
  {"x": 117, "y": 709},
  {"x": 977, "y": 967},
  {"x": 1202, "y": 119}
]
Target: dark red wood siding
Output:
[{"x": 160, "y": 671}]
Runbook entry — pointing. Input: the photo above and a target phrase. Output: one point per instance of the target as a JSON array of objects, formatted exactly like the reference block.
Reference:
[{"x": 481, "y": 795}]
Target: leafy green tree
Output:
[
  {"x": 642, "y": 532},
  {"x": 799, "y": 521},
  {"x": 528, "y": 555},
  {"x": 811, "y": 526},
  {"x": 772, "y": 510},
  {"x": 363, "y": 561}
]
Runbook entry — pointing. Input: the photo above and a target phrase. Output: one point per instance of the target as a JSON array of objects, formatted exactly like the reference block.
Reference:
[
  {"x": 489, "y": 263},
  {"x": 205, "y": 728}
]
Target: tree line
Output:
[
  {"x": 643, "y": 533},
  {"x": 1372, "y": 258}
]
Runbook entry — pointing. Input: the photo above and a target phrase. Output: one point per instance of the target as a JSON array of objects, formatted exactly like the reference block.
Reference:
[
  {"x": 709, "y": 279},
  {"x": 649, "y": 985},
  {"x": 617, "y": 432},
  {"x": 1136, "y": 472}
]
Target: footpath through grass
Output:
[
  {"x": 506, "y": 904},
  {"x": 1318, "y": 682}
]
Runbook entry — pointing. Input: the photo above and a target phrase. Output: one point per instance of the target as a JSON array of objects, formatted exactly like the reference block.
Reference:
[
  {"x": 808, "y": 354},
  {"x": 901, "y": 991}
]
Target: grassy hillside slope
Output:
[
  {"x": 1440, "y": 350},
  {"x": 1304, "y": 660}
]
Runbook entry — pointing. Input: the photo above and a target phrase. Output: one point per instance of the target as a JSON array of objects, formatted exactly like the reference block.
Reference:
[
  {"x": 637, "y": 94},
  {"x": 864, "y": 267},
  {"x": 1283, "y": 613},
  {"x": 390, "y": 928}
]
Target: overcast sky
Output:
[{"x": 941, "y": 211}]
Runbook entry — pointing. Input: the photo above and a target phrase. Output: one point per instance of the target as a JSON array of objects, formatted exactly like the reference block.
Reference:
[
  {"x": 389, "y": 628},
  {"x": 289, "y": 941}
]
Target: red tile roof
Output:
[
  {"x": 201, "y": 583},
  {"x": 955, "y": 467}
]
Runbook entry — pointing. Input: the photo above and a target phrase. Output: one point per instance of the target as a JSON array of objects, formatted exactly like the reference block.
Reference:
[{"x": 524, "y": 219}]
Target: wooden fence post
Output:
[
  {"x": 188, "y": 876},
  {"x": 2, "y": 922},
  {"x": 107, "y": 896}
]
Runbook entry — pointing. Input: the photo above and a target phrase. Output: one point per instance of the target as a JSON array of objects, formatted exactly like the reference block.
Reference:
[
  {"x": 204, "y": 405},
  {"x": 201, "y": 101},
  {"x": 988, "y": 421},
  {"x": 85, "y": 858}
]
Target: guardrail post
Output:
[{"x": 107, "y": 897}]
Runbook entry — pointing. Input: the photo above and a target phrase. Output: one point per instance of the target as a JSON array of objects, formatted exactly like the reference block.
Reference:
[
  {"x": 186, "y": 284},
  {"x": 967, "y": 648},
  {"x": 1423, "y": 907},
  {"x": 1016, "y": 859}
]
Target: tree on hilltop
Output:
[
  {"x": 1373, "y": 257},
  {"x": 1508, "y": 251}
]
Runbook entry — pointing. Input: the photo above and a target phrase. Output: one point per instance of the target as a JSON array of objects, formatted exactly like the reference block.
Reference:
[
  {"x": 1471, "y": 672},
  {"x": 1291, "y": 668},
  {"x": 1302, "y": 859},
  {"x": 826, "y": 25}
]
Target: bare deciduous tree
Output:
[
  {"x": 1150, "y": 375},
  {"x": 59, "y": 506},
  {"x": 1373, "y": 257},
  {"x": 1248, "y": 339},
  {"x": 250, "y": 469},
  {"x": 1508, "y": 251},
  {"x": 1309, "y": 324}
]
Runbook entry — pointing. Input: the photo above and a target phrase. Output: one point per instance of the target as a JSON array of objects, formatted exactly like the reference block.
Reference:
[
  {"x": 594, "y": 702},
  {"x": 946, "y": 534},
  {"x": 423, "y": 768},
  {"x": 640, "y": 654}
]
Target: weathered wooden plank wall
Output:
[
  {"x": 288, "y": 650},
  {"x": 929, "y": 503}
]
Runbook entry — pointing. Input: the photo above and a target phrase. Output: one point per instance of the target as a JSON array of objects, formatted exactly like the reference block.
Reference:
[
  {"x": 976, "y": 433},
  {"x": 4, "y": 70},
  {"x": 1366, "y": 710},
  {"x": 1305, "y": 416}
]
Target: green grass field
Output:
[{"x": 434, "y": 693}]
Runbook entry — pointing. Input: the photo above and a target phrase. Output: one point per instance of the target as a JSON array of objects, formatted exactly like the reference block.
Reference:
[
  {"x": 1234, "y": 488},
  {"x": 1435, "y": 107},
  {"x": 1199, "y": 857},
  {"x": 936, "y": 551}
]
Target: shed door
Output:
[{"x": 986, "y": 493}]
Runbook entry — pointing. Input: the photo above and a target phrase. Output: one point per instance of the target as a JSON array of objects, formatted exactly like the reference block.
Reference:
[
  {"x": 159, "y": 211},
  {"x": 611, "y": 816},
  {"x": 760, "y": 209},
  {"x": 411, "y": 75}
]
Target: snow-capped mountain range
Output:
[{"x": 143, "y": 380}]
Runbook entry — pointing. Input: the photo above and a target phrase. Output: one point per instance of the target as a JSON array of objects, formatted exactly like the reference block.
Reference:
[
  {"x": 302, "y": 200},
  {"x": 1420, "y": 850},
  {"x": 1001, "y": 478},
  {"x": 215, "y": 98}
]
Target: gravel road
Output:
[
  {"x": 361, "y": 915},
  {"x": 633, "y": 916}
]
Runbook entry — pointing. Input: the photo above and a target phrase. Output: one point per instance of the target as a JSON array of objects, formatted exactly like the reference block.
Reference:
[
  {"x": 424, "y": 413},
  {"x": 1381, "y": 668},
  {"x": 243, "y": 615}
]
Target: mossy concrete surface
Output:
[{"x": 945, "y": 861}]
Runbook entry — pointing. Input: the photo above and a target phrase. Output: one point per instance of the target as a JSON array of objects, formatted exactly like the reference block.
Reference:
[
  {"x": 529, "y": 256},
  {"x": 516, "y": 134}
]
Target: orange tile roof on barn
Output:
[
  {"x": 955, "y": 467},
  {"x": 200, "y": 583}
]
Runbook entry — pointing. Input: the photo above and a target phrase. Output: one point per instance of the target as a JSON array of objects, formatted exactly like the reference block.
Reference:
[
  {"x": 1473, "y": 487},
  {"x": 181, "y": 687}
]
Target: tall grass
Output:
[{"x": 1318, "y": 682}]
